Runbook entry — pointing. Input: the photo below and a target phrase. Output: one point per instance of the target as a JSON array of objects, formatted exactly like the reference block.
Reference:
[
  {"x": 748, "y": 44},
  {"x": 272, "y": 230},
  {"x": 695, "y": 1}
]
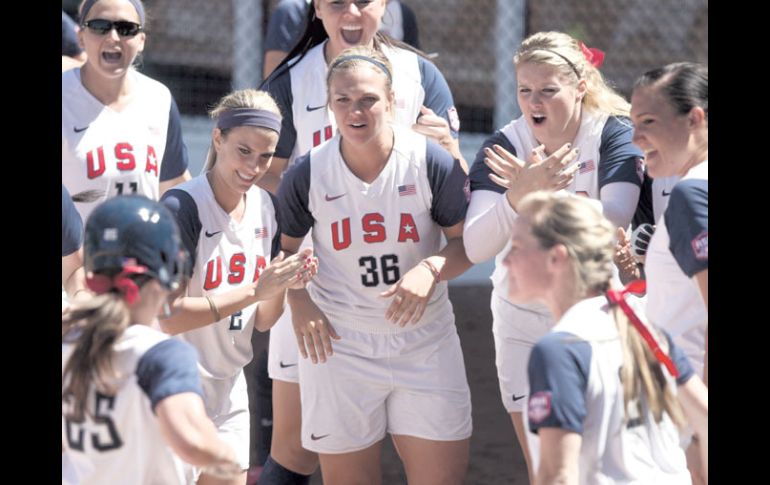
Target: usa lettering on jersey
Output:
[
  {"x": 123, "y": 157},
  {"x": 236, "y": 270},
  {"x": 373, "y": 227}
]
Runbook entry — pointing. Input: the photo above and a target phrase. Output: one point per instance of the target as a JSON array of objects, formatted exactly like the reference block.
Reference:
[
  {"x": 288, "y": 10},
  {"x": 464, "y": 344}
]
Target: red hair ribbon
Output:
[
  {"x": 594, "y": 56},
  {"x": 618, "y": 298},
  {"x": 101, "y": 284}
]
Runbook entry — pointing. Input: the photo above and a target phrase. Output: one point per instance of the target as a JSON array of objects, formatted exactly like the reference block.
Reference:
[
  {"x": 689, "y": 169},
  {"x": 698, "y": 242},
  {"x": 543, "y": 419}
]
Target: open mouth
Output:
[
  {"x": 112, "y": 57},
  {"x": 352, "y": 35},
  {"x": 538, "y": 119}
]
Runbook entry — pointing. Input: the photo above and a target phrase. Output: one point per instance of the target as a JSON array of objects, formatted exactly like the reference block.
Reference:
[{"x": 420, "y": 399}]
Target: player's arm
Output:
[
  {"x": 73, "y": 276},
  {"x": 559, "y": 451},
  {"x": 312, "y": 329},
  {"x": 185, "y": 426},
  {"x": 168, "y": 375}
]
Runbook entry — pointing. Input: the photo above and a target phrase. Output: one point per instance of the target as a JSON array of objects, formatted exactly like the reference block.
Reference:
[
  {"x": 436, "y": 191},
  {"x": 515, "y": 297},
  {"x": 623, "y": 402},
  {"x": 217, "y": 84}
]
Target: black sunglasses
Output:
[{"x": 124, "y": 28}]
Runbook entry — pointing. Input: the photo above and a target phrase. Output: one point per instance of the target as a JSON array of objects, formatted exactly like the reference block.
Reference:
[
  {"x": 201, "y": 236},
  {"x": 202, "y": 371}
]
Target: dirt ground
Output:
[{"x": 495, "y": 455}]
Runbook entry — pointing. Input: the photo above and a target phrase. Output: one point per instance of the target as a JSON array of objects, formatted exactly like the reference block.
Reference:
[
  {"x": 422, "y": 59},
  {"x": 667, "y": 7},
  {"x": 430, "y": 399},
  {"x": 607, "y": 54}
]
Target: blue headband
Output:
[
  {"x": 249, "y": 117},
  {"x": 377, "y": 63},
  {"x": 90, "y": 3}
]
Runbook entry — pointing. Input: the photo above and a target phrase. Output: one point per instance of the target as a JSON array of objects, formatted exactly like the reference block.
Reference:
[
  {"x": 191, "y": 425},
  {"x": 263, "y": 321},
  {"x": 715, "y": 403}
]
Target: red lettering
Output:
[
  {"x": 236, "y": 268},
  {"x": 261, "y": 264},
  {"x": 374, "y": 229},
  {"x": 408, "y": 229},
  {"x": 152, "y": 161},
  {"x": 126, "y": 161},
  {"x": 213, "y": 276},
  {"x": 345, "y": 242},
  {"x": 316, "y": 138},
  {"x": 93, "y": 169},
  {"x": 328, "y": 133}
]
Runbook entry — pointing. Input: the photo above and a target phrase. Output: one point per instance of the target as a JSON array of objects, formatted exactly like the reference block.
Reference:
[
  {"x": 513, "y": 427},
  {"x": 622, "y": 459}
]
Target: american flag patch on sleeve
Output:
[
  {"x": 260, "y": 233},
  {"x": 407, "y": 190},
  {"x": 586, "y": 166}
]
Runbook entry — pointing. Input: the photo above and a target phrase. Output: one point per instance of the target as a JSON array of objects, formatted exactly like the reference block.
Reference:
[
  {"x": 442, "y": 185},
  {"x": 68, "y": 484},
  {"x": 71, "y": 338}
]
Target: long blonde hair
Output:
[
  {"x": 589, "y": 239},
  {"x": 563, "y": 52},
  {"x": 243, "y": 98},
  {"x": 93, "y": 327}
]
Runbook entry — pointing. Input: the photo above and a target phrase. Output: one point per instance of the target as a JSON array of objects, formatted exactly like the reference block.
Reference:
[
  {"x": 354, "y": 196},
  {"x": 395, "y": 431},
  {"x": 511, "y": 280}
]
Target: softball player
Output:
[
  {"x": 131, "y": 396},
  {"x": 423, "y": 101},
  {"x": 231, "y": 228},
  {"x": 670, "y": 113},
  {"x": 572, "y": 122},
  {"x": 121, "y": 132},
  {"x": 376, "y": 199},
  {"x": 601, "y": 381}
]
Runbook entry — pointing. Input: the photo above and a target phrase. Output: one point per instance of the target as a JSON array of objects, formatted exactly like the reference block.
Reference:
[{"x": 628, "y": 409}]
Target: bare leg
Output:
[
  {"x": 357, "y": 468},
  {"x": 432, "y": 462},
  {"x": 286, "y": 447}
]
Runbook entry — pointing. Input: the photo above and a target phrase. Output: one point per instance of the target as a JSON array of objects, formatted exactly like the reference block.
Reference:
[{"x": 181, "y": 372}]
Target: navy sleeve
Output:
[
  {"x": 644, "y": 210},
  {"x": 687, "y": 221},
  {"x": 438, "y": 97},
  {"x": 168, "y": 368},
  {"x": 681, "y": 362},
  {"x": 411, "y": 32},
  {"x": 293, "y": 199},
  {"x": 278, "y": 85},
  {"x": 620, "y": 159},
  {"x": 185, "y": 211},
  {"x": 558, "y": 378},
  {"x": 71, "y": 225},
  {"x": 447, "y": 184},
  {"x": 275, "y": 247},
  {"x": 175, "y": 156},
  {"x": 479, "y": 173},
  {"x": 69, "y": 39},
  {"x": 286, "y": 24}
]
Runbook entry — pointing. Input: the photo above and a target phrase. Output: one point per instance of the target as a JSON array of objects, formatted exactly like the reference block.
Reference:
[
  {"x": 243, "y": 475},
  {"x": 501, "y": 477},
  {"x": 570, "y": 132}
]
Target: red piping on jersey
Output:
[{"x": 618, "y": 298}]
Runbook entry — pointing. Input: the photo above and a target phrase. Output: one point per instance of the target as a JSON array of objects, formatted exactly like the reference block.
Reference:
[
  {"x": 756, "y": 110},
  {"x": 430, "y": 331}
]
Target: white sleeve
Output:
[
  {"x": 619, "y": 201},
  {"x": 488, "y": 225}
]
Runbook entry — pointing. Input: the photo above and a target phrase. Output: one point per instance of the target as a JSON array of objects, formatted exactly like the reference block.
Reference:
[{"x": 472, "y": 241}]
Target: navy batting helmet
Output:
[{"x": 134, "y": 230}]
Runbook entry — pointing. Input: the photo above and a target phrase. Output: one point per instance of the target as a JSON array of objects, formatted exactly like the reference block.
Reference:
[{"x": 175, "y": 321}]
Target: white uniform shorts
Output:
[
  {"x": 282, "y": 354},
  {"x": 516, "y": 330},
  {"x": 227, "y": 404},
  {"x": 408, "y": 383}
]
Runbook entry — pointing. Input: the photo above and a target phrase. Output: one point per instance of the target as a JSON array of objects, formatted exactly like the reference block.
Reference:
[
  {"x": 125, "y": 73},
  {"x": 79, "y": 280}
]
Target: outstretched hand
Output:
[{"x": 283, "y": 273}]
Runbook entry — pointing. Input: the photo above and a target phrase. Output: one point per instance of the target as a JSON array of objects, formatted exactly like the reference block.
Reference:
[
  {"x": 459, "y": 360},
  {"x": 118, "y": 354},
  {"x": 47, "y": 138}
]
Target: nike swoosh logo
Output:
[
  {"x": 78, "y": 130},
  {"x": 310, "y": 108},
  {"x": 210, "y": 234},
  {"x": 283, "y": 366},
  {"x": 315, "y": 438},
  {"x": 666, "y": 194},
  {"x": 516, "y": 398},
  {"x": 329, "y": 199}
]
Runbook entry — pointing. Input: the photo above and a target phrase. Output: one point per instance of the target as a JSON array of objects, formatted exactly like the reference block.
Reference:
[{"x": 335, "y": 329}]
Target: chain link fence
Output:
[{"x": 201, "y": 49}]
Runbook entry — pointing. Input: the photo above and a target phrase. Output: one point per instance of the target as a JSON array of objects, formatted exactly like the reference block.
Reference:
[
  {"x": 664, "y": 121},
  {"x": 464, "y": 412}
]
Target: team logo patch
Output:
[
  {"x": 260, "y": 233},
  {"x": 408, "y": 189},
  {"x": 454, "y": 120},
  {"x": 587, "y": 166},
  {"x": 539, "y": 406},
  {"x": 467, "y": 189},
  {"x": 700, "y": 246}
]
